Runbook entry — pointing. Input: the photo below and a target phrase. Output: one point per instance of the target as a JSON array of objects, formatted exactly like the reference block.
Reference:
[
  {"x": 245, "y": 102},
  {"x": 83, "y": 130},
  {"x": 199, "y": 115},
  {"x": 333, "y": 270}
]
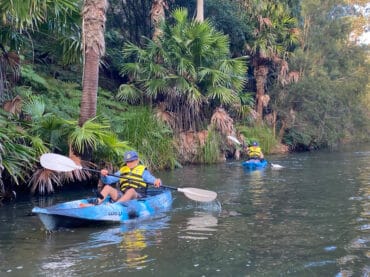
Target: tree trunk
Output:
[
  {"x": 260, "y": 73},
  {"x": 282, "y": 130},
  {"x": 200, "y": 11},
  {"x": 157, "y": 16},
  {"x": 90, "y": 84},
  {"x": 93, "y": 27},
  {"x": 2, "y": 81}
]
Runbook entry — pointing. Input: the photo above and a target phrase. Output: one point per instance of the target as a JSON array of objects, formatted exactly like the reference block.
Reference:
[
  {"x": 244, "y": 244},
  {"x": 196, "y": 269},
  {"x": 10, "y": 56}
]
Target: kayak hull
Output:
[
  {"x": 71, "y": 215},
  {"x": 254, "y": 164}
]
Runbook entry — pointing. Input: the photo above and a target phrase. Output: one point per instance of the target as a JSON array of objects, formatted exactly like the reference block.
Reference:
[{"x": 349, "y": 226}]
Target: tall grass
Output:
[
  {"x": 211, "y": 151},
  {"x": 262, "y": 134},
  {"x": 149, "y": 136}
]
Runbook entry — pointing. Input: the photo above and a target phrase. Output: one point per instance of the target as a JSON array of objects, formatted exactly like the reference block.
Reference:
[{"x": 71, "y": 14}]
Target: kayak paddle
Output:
[
  {"x": 234, "y": 139},
  {"x": 62, "y": 163}
]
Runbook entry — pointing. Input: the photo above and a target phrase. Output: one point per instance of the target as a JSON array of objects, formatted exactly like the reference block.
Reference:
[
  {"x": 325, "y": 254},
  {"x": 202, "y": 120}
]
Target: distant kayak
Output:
[
  {"x": 254, "y": 164},
  {"x": 72, "y": 215}
]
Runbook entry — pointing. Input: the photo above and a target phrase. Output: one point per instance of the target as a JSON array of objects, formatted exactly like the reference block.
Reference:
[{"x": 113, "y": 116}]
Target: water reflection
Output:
[
  {"x": 109, "y": 250},
  {"x": 260, "y": 197},
  {"x": 256, "y": 175},
  {"x": 357, "y": 248},
  {"x": 133, "y": 245},
  {"x": 200, "y": 226}
]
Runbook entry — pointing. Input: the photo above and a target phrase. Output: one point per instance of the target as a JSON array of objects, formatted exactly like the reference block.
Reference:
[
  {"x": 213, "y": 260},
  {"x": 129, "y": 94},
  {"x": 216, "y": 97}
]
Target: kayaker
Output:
[
  {"x": 133, "y": 177},
  {"x": 254, "y": 151}
]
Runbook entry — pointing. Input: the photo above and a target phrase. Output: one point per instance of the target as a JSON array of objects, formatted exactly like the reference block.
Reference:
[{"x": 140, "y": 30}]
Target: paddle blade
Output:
[
  {"x": 234, "y": 139},
  {"x": 200, "y": 195},
  {"x": 58, "y": 162},
  {"x": 276, "y": 166}
]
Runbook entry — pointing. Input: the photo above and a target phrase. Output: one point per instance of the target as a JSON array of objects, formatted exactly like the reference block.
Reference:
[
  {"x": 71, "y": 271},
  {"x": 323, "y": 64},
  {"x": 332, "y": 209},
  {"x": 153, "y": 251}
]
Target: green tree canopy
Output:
[{"x": 189, "y": 70}]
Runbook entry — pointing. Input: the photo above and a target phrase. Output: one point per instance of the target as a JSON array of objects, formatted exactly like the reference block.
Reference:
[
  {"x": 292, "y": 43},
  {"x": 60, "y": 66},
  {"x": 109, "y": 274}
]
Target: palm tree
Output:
[
  {"x": 64, "y": 135},
  {"x": 20, "y": 20},
  {"x": 16, "y": 155},
  {"x": 273, "y": 39},
  {"x": 187, "y": 74},
  {"x": 157, "y": 14},
  {"x": 23, "y": 141},
  {"x": 94, "y": 17}
]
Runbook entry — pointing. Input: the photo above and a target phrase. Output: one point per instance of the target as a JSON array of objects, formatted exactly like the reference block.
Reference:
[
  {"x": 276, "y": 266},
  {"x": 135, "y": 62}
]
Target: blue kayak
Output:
[
  {"x": 254, "y": 164},
  {"x": 72, "y": 215}
]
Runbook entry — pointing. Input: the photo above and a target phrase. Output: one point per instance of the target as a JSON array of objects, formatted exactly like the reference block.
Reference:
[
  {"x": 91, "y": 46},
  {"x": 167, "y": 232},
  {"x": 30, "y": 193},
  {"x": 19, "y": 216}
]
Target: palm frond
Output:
[
  {"x": 43, "y": 181},
  {"x": 222, "y": 122},
  {"x": 223, "y": 95},
  {"x": 129, "y": 93},
  {"x": 190, "y": 66},
  {"x": 34, "y": 106},
  {"x": 155, "y": 86},
  {"x": 90, "y": 134}
]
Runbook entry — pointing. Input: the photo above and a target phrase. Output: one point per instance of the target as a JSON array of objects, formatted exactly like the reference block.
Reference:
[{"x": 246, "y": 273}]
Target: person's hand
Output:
[
  {"x": 104, "y": 172},
  {"x": 157, "y": 183}
]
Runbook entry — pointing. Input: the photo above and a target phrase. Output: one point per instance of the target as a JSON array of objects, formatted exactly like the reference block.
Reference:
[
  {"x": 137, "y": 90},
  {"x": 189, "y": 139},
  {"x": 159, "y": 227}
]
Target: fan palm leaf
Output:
[
  {"x": 188, "y": 67},
  {"x": 129, "y": 93},
  {"x": 90, "y": 134},
  {"x": 223, "y": 95}
]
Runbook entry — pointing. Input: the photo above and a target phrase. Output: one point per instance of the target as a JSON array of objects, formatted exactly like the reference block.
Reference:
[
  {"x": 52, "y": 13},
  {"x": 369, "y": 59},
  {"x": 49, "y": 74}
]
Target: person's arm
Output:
[
  {"x": 261, "y": 155},
  {"x": 149, "y": 178},
  {"x": 109, "y": 179}
]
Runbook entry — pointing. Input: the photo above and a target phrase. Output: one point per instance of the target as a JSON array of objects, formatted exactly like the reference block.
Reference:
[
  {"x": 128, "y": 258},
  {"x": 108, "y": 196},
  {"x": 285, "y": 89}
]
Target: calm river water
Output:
[{"x": 310, "y": 218}]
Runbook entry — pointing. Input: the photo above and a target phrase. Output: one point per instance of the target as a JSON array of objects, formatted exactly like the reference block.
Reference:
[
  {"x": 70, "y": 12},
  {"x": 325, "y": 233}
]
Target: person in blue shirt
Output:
[{"x": 133, "y": 178}]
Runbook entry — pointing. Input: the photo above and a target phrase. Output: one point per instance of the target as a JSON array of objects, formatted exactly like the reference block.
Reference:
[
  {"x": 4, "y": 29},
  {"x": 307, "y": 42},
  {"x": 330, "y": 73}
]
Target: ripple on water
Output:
[
  {"x": 364, "y": 227},
  {"x": 360, "y": 198},
  {"x": 359, "y": 243},
  {"x": 347, "y": 259},
  {"x": 330, "y": 248},
  {"x": 199, "y": 227},
  {"x": 344, "y": 273},
  {"x": 319, "y": 263}
]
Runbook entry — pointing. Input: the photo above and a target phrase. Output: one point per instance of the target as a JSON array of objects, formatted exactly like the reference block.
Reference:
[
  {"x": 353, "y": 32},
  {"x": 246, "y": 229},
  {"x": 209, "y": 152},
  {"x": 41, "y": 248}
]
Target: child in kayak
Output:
[
  {"x": 133, "y": 177},
  {"x": 254, "y": 152}
]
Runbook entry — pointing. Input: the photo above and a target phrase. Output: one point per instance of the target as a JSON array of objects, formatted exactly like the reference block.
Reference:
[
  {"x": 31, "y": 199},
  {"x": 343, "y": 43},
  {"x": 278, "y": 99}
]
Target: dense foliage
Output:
[
  {"x": 188, "y": 71},
  {"x": 309, "y": 81}
]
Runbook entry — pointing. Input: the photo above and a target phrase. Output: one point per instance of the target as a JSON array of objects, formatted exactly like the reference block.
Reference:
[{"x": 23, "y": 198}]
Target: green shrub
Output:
[{"x": 263, "y": 134}]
